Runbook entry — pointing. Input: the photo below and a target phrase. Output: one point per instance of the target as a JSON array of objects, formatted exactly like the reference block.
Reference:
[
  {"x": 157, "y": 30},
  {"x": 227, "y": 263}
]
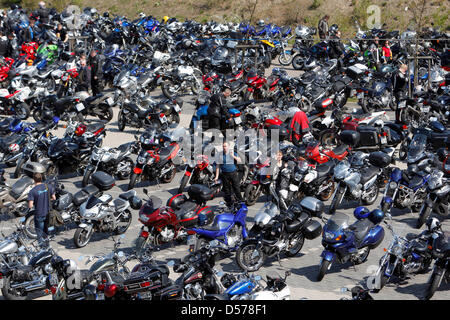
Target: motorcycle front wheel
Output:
[
  {"x": 30, "y": 229},
  {"x": 82, "y": 237},
  {"x": 373, "y": 195},
  {"x": 121, "y": 121},
  {"x": 18, "y": 169},
  {"x": 285, "y": 58},
  {"x": 298, "y": 62},
  {"x": 184, "y": 182},
  {"x": 252, "y": 193},
  {"x": 336, "y": 201},
  {"x": 169, "y": 90},
  {"x": 22, "y": 111},
  {"x": 123, "y": 223},
  {"x": 133, "y": 180},
  {"x": 11, "y": 294},
  {"x": 86, "y": 178},
  {"x": 323, "y": 268},
  {"x": 433, "y": 285},
  {"x": 295, "y": 245},
  {"x": 249, "y": 257}
]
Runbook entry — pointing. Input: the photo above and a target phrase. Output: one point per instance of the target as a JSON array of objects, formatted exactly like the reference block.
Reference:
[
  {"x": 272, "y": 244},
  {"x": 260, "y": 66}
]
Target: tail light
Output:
[
  {"x": 101, "y": 287},
  {"x": 110, "y": 290},
  {"x": 144, "y": 234},
  {"x": 404, "y": 127},
  {"x": 53, "y": 289}
]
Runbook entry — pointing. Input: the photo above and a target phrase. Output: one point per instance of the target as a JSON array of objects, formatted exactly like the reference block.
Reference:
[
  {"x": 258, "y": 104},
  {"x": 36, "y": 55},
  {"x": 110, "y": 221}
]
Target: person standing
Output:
[
  {"x": 96, "y": 72},
  {"x": 84, "y": 77},
  {"x": 387, "y": 52},
  {"x": 400, "y": 88},
  {"x": 323, "y": 27},
  {"x": 30, "y": 33},
  {"x": 218, "y": 110},
  {"x": 230, "y": 175},
  {"x": 39, "y": 198},
  {"x": 61, "y": 33}
]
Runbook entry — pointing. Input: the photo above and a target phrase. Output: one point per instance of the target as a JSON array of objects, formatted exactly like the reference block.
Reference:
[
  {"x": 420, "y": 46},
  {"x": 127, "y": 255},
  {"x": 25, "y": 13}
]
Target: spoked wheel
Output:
[
  {"x": 363, "y": 254},
  {"x": 121, "y": 121},
  {"x": 252, "y": 193},
  {"x": 12, "y": 294},
  {"x": 285, "y": 58},
  {"x": 295, "y": 245},
  {"x": 249, "y": 257},
  {"x": 124, "y": 222},
  {"x": 30, "y": 229},
  {"x": 326, "y": 194},
  {"x": 372, "y": 196}
]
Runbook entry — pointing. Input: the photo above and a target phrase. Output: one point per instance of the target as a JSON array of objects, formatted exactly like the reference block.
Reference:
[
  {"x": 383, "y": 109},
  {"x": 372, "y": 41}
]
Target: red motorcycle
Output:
[
  {"x": 28, "y": 51},
  {"x": 163, "y": 224},
  {"x": 259, "y": 87},
  {"x": 5, "y": 68},
  {"x": 201, "y": 172},
  {"x": 317, "y": 154}
]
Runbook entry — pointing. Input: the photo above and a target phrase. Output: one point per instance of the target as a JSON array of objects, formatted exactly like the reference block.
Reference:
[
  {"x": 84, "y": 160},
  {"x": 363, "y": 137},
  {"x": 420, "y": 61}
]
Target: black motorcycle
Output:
[
  {"x": 284, "y": 233},
  {"x": 141, "y": 114},
  {"x": 114, "y": 161}
]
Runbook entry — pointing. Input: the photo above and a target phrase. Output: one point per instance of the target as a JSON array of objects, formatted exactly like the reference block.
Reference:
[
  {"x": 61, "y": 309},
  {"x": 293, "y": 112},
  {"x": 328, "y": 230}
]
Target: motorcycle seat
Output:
[
  {"x": 123, "y": 148},
  {"x": 367, "y": 173},
  {"x": 90, "y": 99},
  {"x": 420, "y": 248},
  {"x": 296, "y": 224},
  {"x": 164, "y": 153},
  {"x": 121, "y": 204},
  {"x": 185, "y": 209},
  {"x": 94, "y": 127},
  {"x": 128, "y": 195},
  {"x": 4, "y": 124},
  {"x": 360, "y": 228},
  {"x": 19, "y": 186},
  {"x": 339, "y": 152}
]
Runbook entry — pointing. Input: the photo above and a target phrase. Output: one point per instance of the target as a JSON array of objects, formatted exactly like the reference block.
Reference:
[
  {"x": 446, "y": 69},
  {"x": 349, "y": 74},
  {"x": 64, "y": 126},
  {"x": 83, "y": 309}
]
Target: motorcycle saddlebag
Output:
[
  {"x": 102, "y": 180},
  {"x": 439, "y": 140},
  {"x": 350, "y": 137},
  {"x": 313, "y": 206},
  {"x": 200, "y": 193},
  {"x": 338, "y": 86},
  {"x": 369, "y": 136},
  {"x": 30, "y": 168},
  {"x": 379, "y": 159},
  {"x": 312, "y": 230},
  {"x": 82, "y": 195}
]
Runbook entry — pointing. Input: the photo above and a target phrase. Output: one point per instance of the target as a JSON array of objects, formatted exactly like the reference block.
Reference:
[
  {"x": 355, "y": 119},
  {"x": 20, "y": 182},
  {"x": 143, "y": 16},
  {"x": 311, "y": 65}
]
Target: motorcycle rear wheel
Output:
[
  {"x": 295, "y": 249},
  {"x": 371, "y": 200},
  {"x": 107, "y": 115},
  {"x": 168, "y": 177},
  {"x": 30, "y": 230}
]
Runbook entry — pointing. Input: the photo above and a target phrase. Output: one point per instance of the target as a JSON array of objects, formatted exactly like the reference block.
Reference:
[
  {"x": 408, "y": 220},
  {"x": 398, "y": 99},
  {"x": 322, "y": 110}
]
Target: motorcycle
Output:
[
  {"x": 360, "y": 179},
  {"x": 173, "y": 221},
  {"x": 343, "y": 242},
  {"x": 284, "y": 233},
  {"x": 228, "y": 228},
  {"x": 438, "y": 194},
  {"x": 114, "y": 161},
  {"x": 403, "y": 257},
  {"x": 178, "y": 80},
  {"x": 101, "y": 214}
]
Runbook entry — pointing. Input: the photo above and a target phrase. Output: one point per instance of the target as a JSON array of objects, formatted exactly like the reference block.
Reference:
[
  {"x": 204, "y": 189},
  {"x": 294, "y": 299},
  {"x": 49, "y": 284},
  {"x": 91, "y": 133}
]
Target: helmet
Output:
[
  {"x": 106, "y": 15},
  {"x": 41, "y": 4},
  {"x": 361, "y": 213},
  {"x": 261, "y": 22},
  {"x": 276, "y": 71},
  {"x": 333, "y": 29},
  {"x": 376, "y": 216},
  {"x": 47, "y": 115},
  {"x": 141, "y": 15},
  {"x": 70, "y": 266},
  {"x": 55, "y": 261},
  {"x": 165, "y": 19},
  {"x": 136, "y": 203},
  {"x": 433, "y": 223},
  {"x": 442, "y": 153}
]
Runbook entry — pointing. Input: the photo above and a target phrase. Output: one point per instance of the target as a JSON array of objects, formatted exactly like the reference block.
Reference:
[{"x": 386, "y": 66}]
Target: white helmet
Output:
[
  {"x": 433, "y": 223},
  {"x": 71, "y": 267},
  {"x": 141, "y": 15}
]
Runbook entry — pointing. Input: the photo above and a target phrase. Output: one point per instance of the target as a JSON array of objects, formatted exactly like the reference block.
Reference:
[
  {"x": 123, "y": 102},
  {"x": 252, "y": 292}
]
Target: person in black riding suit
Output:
[
  {"x": 218, "y": 110},
  {"x": 400, "y": 87}
]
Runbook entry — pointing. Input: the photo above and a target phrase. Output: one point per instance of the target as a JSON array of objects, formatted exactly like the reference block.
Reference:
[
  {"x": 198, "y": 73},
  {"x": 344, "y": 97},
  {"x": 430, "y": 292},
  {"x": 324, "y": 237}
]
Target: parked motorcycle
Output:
[
  {"x": 284, "y": 233},
  {"x": 343, "y": 242},
  {"x": 100, "y": 213},
  {"x": 113, "y": 161}
]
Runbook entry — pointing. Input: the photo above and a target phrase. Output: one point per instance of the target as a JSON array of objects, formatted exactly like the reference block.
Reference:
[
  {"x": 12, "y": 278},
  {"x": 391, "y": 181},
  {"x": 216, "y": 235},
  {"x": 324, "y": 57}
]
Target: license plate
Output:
[
  {"x": 191, "y": 240},
  {"x": 425, "y": 109},
  {"x": 360, "y": 95},
  {"x": 237, "y": 120},
  {"x": 383, "y": 140},
  {"x": 79, "y": 107},
  {"x": 163, "y": 119},
  {"x": 110, "y": 101},
  {"x": 177, "y": 108}
]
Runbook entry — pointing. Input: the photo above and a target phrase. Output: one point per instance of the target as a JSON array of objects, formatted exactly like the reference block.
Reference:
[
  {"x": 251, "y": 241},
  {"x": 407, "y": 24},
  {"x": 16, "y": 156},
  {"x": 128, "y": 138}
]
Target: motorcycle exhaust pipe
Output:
[
  {"x": 28, "y": 284},
  {"x": 38, "y": 286}
]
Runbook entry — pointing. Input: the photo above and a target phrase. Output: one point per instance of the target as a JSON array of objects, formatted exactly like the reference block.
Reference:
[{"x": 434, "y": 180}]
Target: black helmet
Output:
[
  {"x": 376, "y": 216},
  {"x": 106, "y": 15},
  {"x": 47, "y": 115},
  {"x": 333, "y": 29},
  {"x": 136, "y": 203}
]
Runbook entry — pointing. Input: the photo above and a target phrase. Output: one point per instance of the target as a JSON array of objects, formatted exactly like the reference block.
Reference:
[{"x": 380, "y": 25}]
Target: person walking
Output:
[
  {"x": 323, "y": 27},
  {"x": 39, "y": 198},
  {"x": 230, "y": 175}
]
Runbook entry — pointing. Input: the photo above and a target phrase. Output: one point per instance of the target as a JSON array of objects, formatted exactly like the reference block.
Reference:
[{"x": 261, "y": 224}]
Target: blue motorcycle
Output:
[
  {"x": 344, "y": 242},
  {"x": 228, "y": 229}
]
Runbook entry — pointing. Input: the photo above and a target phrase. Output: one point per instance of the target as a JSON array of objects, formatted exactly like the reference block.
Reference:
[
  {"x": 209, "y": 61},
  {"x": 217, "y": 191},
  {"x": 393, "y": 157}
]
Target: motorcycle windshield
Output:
[
  {"x": 417, "y": 147},
  {"x": 337, "y": 222},
  {"x": 220, "y": 54}
]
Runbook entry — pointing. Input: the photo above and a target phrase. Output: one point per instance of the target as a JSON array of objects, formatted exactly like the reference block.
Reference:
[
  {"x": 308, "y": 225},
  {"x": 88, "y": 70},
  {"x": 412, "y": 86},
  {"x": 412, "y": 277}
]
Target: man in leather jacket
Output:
[
  {"x": 96, "y": 72},
  {"x": 42, "y": 12},
  {"x": 218, "y": 110},
  {"x": 400, "y": 87}
]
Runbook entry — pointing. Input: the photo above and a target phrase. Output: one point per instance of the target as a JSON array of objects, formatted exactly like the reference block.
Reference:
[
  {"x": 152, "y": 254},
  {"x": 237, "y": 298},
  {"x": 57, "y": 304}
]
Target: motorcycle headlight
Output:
[
  {"x": 95, "y": 157},
  {"x": 143, "y": 218},
  {"x": 393, "y": 185},
  {"x": 329, "y": 235},
  {"x": 298, "y": 176}
]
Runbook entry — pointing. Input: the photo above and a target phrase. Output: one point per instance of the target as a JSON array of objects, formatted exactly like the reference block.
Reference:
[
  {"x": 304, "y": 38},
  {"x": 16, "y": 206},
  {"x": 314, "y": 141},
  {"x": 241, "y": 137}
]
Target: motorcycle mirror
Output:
[
  {"x": 120, "y": 254},
  {"x": 22, "y": 220},
  {"x": 145, "y": 191},
  {"x": 287, "y": 273},
  {"x": 221, "y": 203}
]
